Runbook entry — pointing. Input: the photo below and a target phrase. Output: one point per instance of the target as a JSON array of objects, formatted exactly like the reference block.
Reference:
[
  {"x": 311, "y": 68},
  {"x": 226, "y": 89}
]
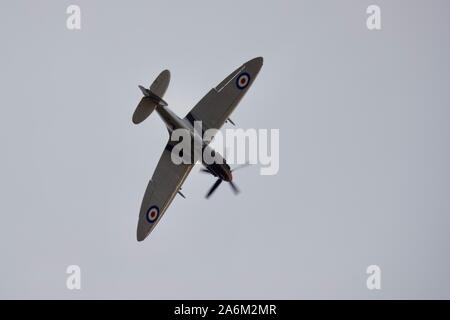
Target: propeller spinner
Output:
[{"x": 220, "y": 179}]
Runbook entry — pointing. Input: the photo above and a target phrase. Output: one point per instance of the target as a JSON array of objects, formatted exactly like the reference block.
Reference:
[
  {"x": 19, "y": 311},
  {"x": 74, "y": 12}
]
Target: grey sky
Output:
[{"x": 364, "y": 150}]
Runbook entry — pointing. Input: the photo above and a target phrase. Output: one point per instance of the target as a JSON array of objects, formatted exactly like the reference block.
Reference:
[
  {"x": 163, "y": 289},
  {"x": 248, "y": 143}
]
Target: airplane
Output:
[{"x": 213, "y": 110}]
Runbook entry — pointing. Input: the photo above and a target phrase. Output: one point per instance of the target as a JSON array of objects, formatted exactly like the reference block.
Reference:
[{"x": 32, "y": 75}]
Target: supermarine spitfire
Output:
[{"x": 213, "y": 110}]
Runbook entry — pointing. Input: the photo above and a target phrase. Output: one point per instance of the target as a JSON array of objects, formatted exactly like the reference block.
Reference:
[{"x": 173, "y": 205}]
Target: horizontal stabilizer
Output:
[
  {"x": 143, "y": 110},
  {"x": 152, "y": 97}
]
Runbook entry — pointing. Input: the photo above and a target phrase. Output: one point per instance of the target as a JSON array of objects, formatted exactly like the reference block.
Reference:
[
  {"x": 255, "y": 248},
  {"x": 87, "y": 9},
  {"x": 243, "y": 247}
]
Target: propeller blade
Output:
[
  {"x": 240, "y": 166},
  {"x": 213, "y": 188},
  {"x": 234, "y": 187}
]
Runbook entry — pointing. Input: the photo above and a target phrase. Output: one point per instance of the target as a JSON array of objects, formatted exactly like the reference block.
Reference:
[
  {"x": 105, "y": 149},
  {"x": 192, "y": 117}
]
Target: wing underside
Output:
[
  {"x": 161, "y": 189},
  {"x": 217, "y": 105}
]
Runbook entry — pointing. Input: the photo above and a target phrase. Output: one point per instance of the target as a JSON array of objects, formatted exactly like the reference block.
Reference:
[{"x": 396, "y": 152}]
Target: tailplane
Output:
[{"x": 152, "y": 97}]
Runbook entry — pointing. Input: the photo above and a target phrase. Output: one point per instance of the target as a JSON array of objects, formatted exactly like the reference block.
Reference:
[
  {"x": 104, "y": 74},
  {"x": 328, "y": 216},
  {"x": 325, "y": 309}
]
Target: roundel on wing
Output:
[
  {"x": 243, "y": 80},
  {"x": 152, "y": 214}
]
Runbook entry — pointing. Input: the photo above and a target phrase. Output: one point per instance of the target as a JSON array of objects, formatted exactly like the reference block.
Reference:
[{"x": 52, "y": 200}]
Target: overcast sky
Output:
[{"x": 364, "y": 150}]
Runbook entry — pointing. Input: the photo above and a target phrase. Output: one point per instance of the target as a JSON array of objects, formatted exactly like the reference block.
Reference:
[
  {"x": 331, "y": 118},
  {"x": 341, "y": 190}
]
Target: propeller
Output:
[
  {"x": 219, "y": 180},
  {"x": 214, "y": 187}
]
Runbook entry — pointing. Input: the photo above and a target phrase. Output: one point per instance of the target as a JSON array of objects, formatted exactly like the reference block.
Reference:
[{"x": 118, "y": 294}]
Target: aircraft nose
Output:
[{"x": 229, "y": 176}]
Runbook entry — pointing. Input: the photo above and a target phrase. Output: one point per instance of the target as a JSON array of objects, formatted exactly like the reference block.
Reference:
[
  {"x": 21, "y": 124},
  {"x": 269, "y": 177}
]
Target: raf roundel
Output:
[
  {"x": 243, "y": 80},
  {"x": 152, "y": 214}
]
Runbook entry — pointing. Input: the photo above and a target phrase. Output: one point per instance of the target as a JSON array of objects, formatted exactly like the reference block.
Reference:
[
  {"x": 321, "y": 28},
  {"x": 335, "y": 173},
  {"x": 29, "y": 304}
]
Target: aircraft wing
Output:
[
  {"x": 162, "y": 188},
  {"x": 215, "y": 108}
]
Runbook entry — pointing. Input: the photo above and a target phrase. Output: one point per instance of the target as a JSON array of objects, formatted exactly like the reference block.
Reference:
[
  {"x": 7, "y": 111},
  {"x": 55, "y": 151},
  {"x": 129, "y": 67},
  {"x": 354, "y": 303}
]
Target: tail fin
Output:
[{"x": 152, "y": 97}]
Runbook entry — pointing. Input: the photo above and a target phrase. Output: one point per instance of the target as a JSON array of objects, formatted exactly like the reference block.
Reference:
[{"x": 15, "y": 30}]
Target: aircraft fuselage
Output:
[{"x": 220, "y": 168}]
